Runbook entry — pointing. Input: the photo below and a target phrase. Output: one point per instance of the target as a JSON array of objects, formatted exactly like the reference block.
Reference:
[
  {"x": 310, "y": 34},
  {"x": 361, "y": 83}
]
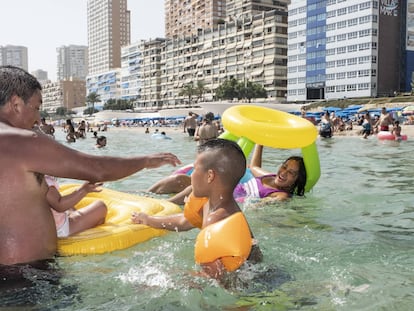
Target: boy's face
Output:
[{"x": 199, "y": 177}]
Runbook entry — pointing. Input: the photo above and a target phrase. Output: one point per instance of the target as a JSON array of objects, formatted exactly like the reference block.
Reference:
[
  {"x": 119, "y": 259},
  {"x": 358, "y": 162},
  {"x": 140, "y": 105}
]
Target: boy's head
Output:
[{"x": 223, "y": 157}]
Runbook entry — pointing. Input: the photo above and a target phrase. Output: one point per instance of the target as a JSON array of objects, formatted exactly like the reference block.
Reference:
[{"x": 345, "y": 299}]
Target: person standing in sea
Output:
[{"x": 190, "y": 123}]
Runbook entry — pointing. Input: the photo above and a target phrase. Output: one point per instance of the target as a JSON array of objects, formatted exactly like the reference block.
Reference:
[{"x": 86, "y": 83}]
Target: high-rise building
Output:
[
  {"x": 108, "y": 31},
  {"x": 242, "y": 8},
  {"x": 15, "y": 56},
  {"x": 72, "y": 62},
  {"x": 187, "y": 17},
  {"x": 40, "y": 75},
  {"x": 344, "y": 49}
]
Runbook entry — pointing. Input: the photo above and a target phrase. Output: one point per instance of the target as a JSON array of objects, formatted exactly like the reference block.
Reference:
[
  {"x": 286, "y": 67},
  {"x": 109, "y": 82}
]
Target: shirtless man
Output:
[
  {"x": 207, "y": 130},
  {"x": 384, "y": 121},
  {"x": 190, "y": 123},
  {"x": 27, "y": 228}
]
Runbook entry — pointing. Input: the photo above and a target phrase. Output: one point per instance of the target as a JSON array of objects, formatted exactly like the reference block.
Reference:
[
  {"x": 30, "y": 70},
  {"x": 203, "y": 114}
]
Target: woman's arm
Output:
[{"x": 256, "y": 162}]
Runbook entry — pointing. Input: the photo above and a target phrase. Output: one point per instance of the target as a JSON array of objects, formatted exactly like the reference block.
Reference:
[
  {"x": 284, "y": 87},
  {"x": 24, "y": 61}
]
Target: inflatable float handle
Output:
[
  {"x": 245, "y": 144},
  {"x": 312, "y": 165}
]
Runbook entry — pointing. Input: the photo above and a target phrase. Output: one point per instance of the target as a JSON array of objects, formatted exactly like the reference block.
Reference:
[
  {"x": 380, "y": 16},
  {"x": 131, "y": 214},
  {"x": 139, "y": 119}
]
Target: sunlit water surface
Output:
[{"x": 348, "y": 245}]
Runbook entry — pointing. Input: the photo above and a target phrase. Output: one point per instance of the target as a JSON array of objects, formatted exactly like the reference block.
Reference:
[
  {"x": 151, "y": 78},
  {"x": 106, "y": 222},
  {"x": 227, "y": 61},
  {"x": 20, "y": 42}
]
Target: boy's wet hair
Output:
[{"x": 228, "y": 160}]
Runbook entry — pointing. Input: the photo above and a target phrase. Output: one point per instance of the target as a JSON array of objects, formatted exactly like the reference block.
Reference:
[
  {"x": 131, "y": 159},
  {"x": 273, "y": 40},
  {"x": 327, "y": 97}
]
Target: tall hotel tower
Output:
[
  {"x": 339, "y": 49},
  {"x": 108, "y": 31},
  {"x": 184, "y": 18}
]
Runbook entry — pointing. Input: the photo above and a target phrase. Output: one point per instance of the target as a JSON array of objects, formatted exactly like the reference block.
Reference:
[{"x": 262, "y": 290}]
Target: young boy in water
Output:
[{"x": 225, "y": 241}]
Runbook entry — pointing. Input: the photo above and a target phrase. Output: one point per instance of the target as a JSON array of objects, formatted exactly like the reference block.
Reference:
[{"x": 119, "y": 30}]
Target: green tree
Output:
[
  {"x": 200, "y": 90},
  {"x": 93, "y": 98},
  {"x": 61, "y": 111},
  {"x": 228, "y": 89},
  {"x": 254, "y": 90},
  {"x": 233, "y": 88},
  {"x": 188, "y": 90},
  {"x": 118, "y": 104}
]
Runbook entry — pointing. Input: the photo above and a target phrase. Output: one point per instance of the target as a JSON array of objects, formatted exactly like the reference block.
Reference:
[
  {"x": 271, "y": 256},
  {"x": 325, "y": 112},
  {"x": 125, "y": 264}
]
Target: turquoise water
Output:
[{"x": 348, "y": 245}]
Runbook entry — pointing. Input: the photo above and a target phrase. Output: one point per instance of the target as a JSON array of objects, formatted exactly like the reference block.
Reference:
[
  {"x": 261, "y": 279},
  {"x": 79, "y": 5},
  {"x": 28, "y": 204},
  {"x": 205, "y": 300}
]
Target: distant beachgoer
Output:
[
  {"x": 190, "y": 123},
  {"x": 101, "y": 142},
  {"x": 81, "y": 130},
  {"x": 147, "y": 130},
  {"x": 46, "y": 128},
  {"x": 396, "y": 130},
  {"x": 207, "y": 130},
  {"x": 326, "y": 126},
  {"x": 366, "y": 126},
  {"x": 70, "y": 130},
  {"x": 385, "y": 120}
]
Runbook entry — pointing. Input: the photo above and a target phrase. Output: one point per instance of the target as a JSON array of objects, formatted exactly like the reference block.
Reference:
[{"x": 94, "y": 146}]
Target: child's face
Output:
[{"x": 199, "y": 177}]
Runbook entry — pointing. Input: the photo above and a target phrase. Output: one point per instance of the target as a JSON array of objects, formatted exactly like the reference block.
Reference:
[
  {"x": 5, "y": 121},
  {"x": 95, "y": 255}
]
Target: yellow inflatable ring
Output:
[
  {"x": 249, "y": 125},
  {"x": 118, "y": 232}
]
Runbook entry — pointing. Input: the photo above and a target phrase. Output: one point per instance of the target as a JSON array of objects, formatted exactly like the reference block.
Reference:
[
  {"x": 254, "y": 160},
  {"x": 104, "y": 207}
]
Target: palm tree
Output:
[
  {"x": 93, "y": 98},
  {"x": 200, "y": 89},
  {"x": 188, "y": 90}
]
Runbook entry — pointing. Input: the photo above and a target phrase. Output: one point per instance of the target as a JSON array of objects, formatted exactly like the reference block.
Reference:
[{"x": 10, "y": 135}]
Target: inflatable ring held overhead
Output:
[
  {"x": 118, "y": 231},
  {"x": 249, "y": 125}
]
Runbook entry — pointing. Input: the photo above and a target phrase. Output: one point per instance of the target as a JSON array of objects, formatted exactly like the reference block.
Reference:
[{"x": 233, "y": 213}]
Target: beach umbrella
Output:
[{"x": 408, "y": 110}]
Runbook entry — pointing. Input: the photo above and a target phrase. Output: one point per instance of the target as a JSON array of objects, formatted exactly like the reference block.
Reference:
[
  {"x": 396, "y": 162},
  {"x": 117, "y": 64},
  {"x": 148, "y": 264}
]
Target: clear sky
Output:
[{"x": 44, "y": 25}]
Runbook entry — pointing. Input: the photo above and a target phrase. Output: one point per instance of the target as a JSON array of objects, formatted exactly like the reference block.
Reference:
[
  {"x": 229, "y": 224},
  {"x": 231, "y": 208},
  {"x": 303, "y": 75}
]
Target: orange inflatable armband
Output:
[
  {"x": 228, "y": 240},
  {"x": 192, "y": 210}
]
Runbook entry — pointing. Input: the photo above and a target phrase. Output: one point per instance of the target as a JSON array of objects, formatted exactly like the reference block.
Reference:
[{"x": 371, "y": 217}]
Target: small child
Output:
[
  {"x": 396, "y": 130},
  {"x": 100, "y": 142},
  {"x": 225, "y": 241},
  {"x": 70, "y": 221}
]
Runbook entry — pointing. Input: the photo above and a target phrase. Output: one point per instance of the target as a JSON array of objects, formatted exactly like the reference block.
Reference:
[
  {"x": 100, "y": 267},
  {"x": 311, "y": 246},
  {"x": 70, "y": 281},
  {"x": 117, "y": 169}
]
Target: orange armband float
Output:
[
  {"x": 192, "y": 210},
  {"x": 228, "y": 240}
]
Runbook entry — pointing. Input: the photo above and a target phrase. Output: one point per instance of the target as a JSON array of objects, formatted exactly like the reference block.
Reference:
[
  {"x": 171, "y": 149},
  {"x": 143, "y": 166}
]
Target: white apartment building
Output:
[
  {"x": 14, "y": 55},
  {"x": 131, "y": 75},
  {"x": 72, "y": 62},
  {"x": 341, "y": 49},
  {"x": 106, "y": 84}
]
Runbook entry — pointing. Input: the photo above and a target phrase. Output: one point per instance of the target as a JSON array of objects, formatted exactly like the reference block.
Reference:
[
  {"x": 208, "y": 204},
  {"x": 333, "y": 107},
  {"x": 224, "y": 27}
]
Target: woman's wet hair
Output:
[{"x": 298, "y": 187}]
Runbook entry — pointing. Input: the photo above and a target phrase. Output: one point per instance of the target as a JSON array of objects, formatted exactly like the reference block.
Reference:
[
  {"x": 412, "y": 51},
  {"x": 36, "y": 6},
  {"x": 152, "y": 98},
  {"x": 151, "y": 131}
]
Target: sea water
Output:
[{"x": 346, "y": 245}]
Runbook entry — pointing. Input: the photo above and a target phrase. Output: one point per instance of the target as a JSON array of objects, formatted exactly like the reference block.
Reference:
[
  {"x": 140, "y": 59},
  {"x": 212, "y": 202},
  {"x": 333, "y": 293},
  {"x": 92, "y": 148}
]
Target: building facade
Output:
[
  {"x": 65, "y": 93},
  {"x": 242, "y": 8},
  {"x": 341, "y": 49},
  {"x": 72, "y": 62},
  {"x": 131, "y": 71},
  {"x": 14, "y": 55},
  {"x": 40, "y": 75},
  {"x": 108, "y": 31},
  {"x": 187, "y": 17}
]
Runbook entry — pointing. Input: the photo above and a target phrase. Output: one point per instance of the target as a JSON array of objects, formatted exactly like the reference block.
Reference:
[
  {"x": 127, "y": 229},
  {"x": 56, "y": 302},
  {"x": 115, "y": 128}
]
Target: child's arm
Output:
[
  {"x": 62, "y": 203},
  {"x": 175, "y": 222},
  {"x": 256, "y": 162}
]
